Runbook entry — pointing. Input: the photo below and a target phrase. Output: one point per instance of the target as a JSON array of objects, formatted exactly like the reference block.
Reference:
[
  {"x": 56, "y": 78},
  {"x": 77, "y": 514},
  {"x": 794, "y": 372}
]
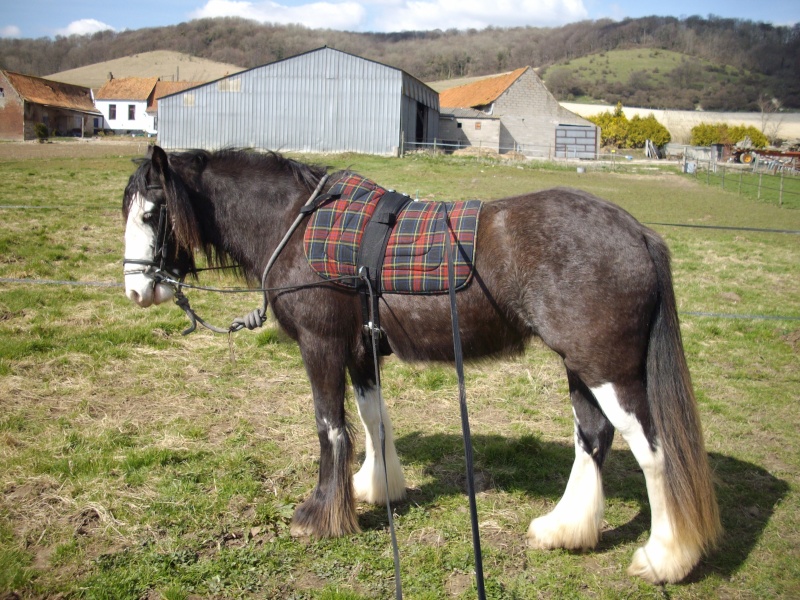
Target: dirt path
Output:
[{"x": 73, "y": 148}]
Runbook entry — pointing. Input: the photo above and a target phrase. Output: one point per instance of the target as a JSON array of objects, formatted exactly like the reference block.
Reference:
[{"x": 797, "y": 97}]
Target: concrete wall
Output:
[
  {"x": 680, "y": 122},
  {"x": 483, "y": 133}
]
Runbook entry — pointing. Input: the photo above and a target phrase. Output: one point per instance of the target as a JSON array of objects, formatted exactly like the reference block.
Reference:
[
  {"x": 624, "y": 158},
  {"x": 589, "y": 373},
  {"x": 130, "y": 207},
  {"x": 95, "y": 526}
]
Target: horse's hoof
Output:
[
  {"x": 300, "y": 531},
  {"x": 656, "y": 564},
  {"x": 549, "y": 532}
]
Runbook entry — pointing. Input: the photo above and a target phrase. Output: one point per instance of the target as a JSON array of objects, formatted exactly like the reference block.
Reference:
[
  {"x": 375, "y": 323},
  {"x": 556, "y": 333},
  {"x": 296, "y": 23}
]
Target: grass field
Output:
[{"x": 137, "y": 463}]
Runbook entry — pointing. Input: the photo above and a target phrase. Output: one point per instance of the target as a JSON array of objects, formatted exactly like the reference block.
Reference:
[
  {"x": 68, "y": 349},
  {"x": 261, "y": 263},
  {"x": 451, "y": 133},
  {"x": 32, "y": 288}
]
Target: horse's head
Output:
[{"x": 161, "y": 231}]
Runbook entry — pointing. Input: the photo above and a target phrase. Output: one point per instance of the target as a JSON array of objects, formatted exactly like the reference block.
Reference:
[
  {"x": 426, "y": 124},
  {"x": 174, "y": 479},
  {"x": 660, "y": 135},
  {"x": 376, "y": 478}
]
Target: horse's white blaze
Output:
[
  {"x": 369, "y": 483},
  {"x": 140, "y": 244},
  {"x": 662, "y": 558},
  {"x": 575, "y": 521}
]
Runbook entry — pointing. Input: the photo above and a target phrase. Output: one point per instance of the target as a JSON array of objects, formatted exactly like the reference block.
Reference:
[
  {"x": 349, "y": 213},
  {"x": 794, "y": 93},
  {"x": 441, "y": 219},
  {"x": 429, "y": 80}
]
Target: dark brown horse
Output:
[{"x": 575, "y": 270}]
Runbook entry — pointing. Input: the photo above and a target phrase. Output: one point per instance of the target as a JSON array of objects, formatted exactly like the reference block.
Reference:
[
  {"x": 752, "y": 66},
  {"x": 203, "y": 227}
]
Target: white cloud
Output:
[
  {"x": 84, "y": 27},
  {"x": 10, "y": 31},
  {"x": 410, "y": 15},
  {"x": 329, "y": 15}
]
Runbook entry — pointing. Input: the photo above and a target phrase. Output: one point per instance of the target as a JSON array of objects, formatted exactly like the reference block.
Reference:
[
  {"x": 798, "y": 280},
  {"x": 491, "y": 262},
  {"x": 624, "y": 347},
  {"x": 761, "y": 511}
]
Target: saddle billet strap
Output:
[{"x": 371, "y": 253}]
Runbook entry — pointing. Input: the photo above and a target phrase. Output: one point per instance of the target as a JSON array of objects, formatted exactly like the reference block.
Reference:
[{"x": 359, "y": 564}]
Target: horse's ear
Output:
[{"x": 159, "y": 162}]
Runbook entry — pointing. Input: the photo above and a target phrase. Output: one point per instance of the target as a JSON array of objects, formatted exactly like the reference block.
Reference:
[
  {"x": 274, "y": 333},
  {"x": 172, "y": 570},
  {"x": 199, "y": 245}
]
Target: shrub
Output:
[
  {"x": 41, "y": 132},
  {"x": 706, "y": 134},
  {"x": 613, "y": 127},
  {"x": 617, "y": 130},
  {"x": 647, "y": 128}
]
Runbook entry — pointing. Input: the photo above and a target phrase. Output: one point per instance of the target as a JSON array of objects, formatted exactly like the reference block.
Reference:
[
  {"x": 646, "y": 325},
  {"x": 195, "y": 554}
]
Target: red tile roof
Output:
[
  {"x": 52, "y": 93},
  {"x": 481, "y": 92},
  {"x": 165, "y": 88},
  {"x": 127, "y": 88}
]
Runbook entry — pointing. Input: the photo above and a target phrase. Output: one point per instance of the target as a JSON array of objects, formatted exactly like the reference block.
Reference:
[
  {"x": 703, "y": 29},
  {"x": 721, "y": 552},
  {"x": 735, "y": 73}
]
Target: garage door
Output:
[{"x": 576, "y": 141}]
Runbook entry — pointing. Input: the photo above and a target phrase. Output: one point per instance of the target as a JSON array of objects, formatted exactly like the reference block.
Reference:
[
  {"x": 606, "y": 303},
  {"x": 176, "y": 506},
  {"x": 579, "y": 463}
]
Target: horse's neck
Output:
[{"x": 250, "y": 223}]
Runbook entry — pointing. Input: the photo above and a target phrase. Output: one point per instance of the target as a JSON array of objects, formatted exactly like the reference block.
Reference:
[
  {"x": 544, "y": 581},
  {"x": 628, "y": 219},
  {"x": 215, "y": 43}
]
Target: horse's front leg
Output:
[
  {"x": 370, "y": 482},
  {"x": 330, "y": 510}
]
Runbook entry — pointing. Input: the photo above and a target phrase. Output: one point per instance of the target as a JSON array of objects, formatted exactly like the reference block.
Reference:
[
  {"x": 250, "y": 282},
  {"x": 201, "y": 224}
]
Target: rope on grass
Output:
[{"x": 729, "y": 228}]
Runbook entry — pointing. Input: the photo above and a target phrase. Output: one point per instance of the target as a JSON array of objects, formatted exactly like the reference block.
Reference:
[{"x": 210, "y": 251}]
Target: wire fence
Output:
[
  {"x": 552, "y": 154},
  {"x": 771, "y": 181},
  {"x": 768, "y": 179}
]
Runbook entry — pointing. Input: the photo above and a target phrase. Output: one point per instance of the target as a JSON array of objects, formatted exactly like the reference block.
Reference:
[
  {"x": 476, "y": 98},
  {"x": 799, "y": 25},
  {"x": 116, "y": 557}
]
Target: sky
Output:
[{"x": 48, "y": 18}]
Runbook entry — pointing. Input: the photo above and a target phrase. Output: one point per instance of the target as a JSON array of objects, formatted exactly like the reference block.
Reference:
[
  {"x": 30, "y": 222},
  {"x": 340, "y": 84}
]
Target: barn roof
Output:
[
  {"x": 52, "y": 93},
  {"x": 165, "y": 88},
  {"x": 481, "y": 92},
  {"x": 127, "y": 88}
]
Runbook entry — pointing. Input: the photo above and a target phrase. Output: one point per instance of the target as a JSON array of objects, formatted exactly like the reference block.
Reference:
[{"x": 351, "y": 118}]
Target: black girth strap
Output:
[{"x": 369, "y": 261}]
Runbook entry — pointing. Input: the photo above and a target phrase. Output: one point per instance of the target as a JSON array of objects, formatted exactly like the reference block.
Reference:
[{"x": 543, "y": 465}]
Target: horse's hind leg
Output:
[
  {"x": 664, "y": 557},
  {"x": 575, "y": 521},
  {"x": 330, "y": 511},
  {"x": 370, "y": 482}
]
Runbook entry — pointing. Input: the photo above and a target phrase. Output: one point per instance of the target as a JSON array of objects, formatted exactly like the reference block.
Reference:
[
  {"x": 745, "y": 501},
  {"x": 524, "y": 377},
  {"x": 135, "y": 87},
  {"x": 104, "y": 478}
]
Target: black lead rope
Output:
[
  {"x": 450, "y": 249},
  {"x": 375, "y": 334}
]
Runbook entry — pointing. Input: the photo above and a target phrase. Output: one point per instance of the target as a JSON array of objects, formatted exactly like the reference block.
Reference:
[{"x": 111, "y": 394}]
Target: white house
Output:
[{"x": 124, "y": 102}]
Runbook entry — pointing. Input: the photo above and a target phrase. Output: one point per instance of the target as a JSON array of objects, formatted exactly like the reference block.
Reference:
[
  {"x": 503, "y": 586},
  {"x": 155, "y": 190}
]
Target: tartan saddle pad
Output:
[{"x": 415, "y": 261}]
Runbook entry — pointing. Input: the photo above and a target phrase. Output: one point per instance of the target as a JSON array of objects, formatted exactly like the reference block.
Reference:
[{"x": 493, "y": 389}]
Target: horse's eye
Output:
[{"x": 149, "y": 218}]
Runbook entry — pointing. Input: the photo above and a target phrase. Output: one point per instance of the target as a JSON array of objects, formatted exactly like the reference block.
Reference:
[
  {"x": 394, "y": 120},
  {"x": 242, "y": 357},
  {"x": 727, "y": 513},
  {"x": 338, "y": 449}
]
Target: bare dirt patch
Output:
[{"x": 86, "y": 148}]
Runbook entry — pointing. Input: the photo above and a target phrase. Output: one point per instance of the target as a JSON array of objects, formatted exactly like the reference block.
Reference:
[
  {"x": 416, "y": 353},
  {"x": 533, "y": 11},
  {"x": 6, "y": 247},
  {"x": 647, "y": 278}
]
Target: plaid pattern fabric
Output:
[{"x": 415, "y": 261}]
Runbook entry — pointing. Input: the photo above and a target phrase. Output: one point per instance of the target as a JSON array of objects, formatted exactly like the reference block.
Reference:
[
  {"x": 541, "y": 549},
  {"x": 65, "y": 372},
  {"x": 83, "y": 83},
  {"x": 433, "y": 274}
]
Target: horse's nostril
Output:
[{"x": 134, "y": 296}]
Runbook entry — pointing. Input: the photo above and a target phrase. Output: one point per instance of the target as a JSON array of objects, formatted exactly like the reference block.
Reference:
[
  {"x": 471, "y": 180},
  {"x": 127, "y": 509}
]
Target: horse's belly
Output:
[{"x": 419, "y": 328}]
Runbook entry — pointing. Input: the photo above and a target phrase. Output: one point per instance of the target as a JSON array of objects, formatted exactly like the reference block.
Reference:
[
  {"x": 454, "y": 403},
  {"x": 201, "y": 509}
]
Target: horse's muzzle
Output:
[{"x": 144, "y": 291}]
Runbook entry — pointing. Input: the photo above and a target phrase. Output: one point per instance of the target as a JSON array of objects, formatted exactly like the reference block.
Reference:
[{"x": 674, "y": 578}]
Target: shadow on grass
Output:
[{"x": 747, "y": 493}]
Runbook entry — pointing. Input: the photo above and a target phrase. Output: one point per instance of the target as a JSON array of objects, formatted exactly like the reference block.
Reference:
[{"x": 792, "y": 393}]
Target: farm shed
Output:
[
  {"x": 65, "y": 109},
  {"x": 531, "y": 119},
  {"x": 324, "y": 100}
]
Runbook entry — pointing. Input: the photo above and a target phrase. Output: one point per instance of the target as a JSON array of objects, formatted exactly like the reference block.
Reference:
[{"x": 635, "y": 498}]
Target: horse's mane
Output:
[{"x": 189, "y": 166}]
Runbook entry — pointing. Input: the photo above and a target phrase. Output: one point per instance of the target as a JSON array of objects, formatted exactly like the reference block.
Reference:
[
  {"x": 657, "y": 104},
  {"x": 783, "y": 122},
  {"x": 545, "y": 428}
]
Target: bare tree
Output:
[{"x": 771, "y": 117}]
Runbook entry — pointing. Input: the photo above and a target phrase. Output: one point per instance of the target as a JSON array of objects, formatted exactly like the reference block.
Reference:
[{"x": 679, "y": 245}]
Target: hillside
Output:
[
  {"x": 743, "y": 59},
  {"x": 166, "y": 64},
  {"x": 655, "y": 78}
]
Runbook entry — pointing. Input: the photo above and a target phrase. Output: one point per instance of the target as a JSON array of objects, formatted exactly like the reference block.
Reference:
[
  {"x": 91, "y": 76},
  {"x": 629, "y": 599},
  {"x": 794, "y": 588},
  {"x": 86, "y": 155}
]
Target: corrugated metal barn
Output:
[{"x": 320, "y": 101}]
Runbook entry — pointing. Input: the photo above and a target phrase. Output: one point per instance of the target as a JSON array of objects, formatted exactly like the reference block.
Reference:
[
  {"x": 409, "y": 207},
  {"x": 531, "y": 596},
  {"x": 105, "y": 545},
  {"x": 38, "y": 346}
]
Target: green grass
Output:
[{"x": 137, "y": 463}]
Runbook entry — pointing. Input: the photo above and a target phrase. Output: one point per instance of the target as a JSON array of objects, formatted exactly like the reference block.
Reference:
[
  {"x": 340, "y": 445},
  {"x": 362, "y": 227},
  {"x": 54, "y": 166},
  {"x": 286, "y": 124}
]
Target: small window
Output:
[
  {"x": 477, "y": 125},
  {"x": 112, "y": 112},
  {"x": 458, "y": 125},
  {"x": 2, "y": 93},
  {"x": 131, "y": 112}
]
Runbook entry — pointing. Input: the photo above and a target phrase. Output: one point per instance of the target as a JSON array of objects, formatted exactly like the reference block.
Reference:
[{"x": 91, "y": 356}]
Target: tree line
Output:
[{"x": 764, "y": 49}]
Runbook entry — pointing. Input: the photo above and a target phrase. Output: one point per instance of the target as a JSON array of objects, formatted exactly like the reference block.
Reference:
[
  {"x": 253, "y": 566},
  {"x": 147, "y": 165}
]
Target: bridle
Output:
[
  {"x": 157, "y": 268},
  {"x": 158, "y": 264}
]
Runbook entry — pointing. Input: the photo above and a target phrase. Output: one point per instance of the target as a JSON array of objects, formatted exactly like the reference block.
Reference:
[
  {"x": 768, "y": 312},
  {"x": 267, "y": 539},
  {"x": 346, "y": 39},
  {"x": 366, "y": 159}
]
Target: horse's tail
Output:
[{"x": 690, "y": 498}]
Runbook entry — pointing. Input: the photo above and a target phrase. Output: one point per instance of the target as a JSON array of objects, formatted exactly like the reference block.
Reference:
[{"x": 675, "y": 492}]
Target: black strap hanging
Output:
[
  {"x": 369, "y": 262},
  {"x": 451, "y": 249}
]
